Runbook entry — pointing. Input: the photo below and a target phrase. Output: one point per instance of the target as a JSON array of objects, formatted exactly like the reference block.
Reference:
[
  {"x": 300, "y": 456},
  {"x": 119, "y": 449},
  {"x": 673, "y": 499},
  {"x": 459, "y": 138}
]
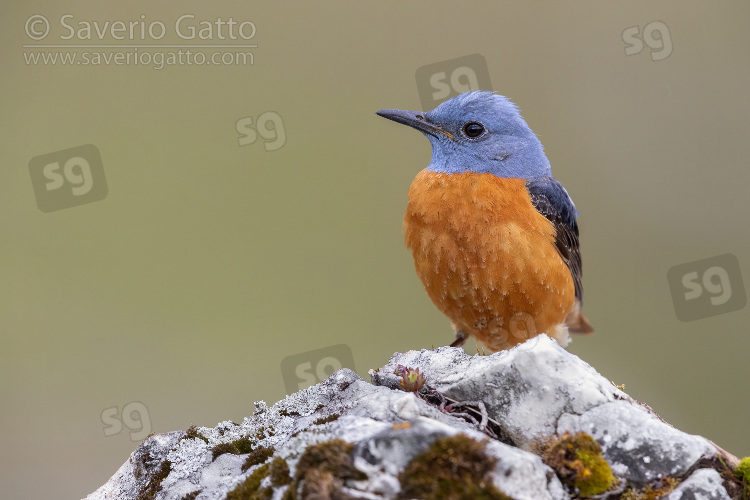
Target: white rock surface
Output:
[
  {"x": 519, "y": 474},
  {"x": 533, "y": 391},
  {"x": 542, "y": 389},
  {"x": 703, "y": 484}
]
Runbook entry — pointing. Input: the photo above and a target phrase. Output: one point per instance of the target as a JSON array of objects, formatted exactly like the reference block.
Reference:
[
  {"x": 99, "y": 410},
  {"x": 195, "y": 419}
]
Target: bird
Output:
[{"x": 493, "y": 234}]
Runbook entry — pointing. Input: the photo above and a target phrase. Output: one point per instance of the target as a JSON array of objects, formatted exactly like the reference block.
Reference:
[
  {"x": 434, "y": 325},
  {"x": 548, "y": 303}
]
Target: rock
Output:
[
  {"x": 477, "y": 428},
  {"x": 543, "y": 390},
  {"x": 519, "y": 474},
  {"x": 703, "y": 484}
]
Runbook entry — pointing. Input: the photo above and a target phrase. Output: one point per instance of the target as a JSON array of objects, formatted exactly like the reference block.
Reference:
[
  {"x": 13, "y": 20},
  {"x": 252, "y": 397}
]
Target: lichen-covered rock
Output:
[
  {"x": 142, "y": 474},
  {"x": 703, "y": 484},
  {"x": 519, "y": 474},
  {"x": 477, "y": 423},
  {"x": 543, "y": 390}
]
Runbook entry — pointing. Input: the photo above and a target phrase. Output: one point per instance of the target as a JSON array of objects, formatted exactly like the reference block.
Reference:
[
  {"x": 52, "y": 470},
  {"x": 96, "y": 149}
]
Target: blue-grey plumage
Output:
[{"x": 504, "y": 146}]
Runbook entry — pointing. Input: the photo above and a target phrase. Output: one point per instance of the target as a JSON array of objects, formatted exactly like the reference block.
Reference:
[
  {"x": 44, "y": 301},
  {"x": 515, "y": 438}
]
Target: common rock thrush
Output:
[{"x": 494, "y": 236}]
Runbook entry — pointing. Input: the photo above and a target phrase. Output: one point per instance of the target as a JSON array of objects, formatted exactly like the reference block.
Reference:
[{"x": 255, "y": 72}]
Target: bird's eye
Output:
[{"x": 473, "y": 129}]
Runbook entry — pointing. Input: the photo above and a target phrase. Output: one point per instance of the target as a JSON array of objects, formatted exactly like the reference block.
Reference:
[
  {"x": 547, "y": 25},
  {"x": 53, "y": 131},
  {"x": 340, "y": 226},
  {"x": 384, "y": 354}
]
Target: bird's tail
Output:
[{"x": 577, "y": 322}]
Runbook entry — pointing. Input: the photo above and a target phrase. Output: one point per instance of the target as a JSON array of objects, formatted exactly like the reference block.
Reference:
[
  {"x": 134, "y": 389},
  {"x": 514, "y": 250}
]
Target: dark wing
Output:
[{"x": 551, "y": 200}]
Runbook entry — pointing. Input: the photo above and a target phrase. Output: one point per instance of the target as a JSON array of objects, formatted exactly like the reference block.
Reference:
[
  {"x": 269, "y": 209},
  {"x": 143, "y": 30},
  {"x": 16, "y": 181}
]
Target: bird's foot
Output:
[{"x": 461, "y": 337}]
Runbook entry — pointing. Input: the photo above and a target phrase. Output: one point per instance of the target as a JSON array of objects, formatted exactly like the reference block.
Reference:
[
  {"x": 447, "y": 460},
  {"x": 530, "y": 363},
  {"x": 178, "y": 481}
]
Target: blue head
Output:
[{"x": 479, "y": 132}]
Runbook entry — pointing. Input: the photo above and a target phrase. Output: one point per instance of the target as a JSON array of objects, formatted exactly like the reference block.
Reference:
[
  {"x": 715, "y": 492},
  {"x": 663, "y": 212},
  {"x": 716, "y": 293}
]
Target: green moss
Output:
[
  {"x": 279, "y": 472},
  {"x": 332, "y": 456},
  {"x": 325, "y": 420},
  {"x": 595, "y": 476},
  {"x": 743, "y": 469},
  {"x": 191, "y": 496},
  {"x": 154, "y": 484},
  {"x": 455, "y": 467},
  {"x": 320, "y": 483},
  {"x": 257, "y": 456},
  {"x": 264, "y": 432},
  {"x": 237, "y": 447},
  {"x": 192, "y": 433},
  {"x": 322, "y": 470},
  {"x": 743, "y": 474},
  {"x": 659, "y": 489},
  {"x": 250, "y": 489},
  {"x": 577, "y": 459}
]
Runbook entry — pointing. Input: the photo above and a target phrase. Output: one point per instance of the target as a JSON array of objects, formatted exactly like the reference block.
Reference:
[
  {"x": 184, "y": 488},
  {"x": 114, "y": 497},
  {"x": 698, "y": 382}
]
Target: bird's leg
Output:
[{"x": 461, "y": 337}]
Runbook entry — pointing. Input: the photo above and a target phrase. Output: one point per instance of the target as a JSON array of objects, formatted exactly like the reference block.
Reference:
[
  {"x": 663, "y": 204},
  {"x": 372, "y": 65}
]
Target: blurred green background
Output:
[{"x": 209, "y": 262}]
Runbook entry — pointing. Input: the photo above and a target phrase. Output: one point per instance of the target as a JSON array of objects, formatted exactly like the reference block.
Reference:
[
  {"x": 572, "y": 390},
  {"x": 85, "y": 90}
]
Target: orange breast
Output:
[{"x": 486, "y": 257}]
